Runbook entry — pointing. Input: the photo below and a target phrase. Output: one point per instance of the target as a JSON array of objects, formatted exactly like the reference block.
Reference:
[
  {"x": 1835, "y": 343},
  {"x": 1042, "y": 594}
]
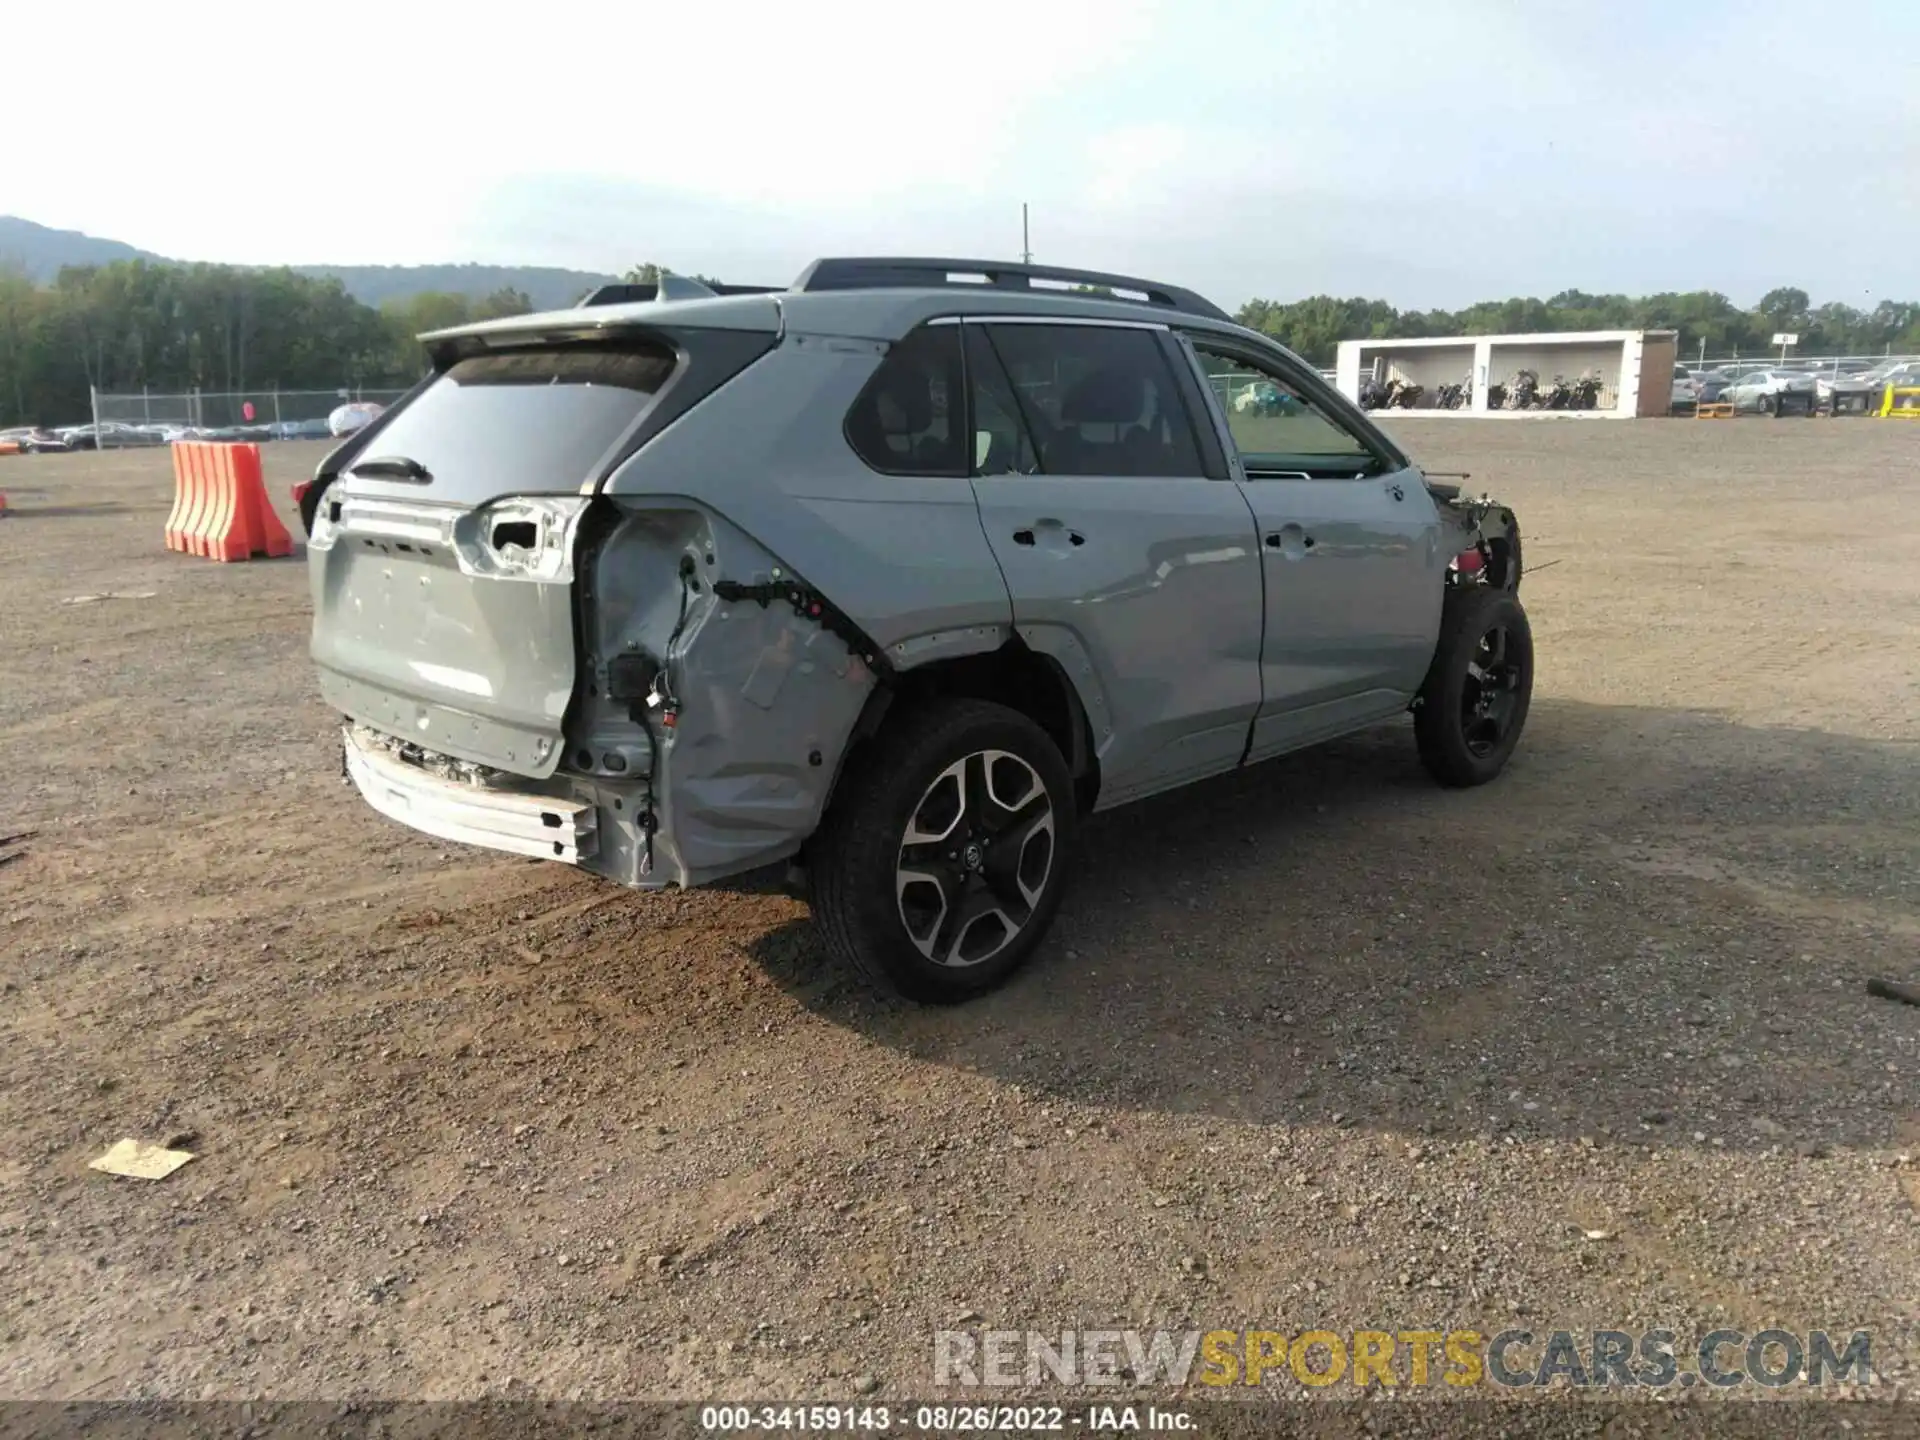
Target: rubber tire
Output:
[
  {"x": 853, "y": 854},
  {"x": 1769, "y": 406},
  {"x": 1468, "y": 612}
]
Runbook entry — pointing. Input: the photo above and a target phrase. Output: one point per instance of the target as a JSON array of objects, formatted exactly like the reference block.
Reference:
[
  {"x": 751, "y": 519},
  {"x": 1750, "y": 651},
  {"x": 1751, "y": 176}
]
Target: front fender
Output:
[{"x": 1484, "y": 524}]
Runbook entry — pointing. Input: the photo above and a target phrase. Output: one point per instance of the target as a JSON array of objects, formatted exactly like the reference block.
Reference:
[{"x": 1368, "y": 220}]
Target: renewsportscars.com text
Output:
[{"x": 1513, "y": 1359}]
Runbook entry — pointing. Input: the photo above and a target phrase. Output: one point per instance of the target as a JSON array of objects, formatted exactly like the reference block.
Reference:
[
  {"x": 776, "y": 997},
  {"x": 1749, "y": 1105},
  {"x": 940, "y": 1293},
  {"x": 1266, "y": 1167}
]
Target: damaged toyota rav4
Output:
[{"x": 892, "y": 576}]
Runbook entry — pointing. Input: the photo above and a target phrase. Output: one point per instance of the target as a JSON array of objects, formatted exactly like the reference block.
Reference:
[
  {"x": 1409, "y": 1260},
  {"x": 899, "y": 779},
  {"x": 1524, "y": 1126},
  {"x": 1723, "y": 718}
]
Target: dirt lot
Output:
[{"x": 1318, "y": 1045}]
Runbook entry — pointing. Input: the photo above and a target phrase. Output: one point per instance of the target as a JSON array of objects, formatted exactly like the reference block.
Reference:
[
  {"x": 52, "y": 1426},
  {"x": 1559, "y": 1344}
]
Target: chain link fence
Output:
[
  {"x": 154, "y": 418},
  {"x": 1770, "y": 359}
]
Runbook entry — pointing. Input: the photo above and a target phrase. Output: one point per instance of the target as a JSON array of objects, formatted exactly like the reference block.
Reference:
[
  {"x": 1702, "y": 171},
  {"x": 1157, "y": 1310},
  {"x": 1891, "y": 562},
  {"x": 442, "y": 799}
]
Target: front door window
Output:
[{"x": 1276, "y": 428}]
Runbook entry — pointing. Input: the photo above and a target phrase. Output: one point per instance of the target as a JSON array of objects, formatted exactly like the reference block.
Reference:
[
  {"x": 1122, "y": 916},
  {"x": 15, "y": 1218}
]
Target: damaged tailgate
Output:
[
  {"x": 442, "y": 555},
  {"x": 447, "y": 627}
]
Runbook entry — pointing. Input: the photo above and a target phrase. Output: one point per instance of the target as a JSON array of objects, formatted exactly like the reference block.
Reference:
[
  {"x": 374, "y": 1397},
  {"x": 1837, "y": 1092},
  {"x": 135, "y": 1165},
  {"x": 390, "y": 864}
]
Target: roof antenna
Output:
[{"x": 1026, "y": 249}]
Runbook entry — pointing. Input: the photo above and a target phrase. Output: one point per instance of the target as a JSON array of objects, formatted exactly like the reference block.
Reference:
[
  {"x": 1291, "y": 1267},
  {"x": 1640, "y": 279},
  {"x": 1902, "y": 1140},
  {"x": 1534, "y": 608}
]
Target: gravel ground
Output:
[{"x": 1319, "y": 1045}]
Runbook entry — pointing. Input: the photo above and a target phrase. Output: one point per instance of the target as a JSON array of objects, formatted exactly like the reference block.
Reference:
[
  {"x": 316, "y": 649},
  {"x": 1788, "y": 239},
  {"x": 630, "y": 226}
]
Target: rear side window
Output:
[
  {"x": 1098, "y": 400},
  {"x": 494, "y": 424},
  {"x": 909, "y": 418}
]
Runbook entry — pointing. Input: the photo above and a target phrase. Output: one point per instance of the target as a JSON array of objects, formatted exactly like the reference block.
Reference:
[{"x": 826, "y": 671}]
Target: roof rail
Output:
[
  {"x": 876, "y": 273},
  {"x": 628, "y": 294}
]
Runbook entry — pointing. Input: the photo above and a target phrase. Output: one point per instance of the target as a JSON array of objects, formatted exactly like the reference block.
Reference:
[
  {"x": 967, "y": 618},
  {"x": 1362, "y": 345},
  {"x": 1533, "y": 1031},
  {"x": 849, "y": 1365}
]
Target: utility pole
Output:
[{"x": 1026, "y": 249}]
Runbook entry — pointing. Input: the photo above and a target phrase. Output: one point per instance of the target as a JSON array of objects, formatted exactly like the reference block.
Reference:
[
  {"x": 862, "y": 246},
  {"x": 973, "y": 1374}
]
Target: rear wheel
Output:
[
  {"x": 940, "y": 863},
  {"x": 1474, "y": 703}
]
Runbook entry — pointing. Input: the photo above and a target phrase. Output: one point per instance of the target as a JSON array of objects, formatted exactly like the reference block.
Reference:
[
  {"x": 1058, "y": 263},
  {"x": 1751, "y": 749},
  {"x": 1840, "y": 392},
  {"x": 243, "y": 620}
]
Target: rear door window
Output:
[
  {"x": 1098, "y": 400},
  {"x": 1002, "y": 444},
  {"x": 534, "y": 420}
]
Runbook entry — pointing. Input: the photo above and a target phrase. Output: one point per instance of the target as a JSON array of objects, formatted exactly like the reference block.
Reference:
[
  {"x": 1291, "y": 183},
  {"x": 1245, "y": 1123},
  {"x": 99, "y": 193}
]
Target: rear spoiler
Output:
[{"x": 670, "y": 287}]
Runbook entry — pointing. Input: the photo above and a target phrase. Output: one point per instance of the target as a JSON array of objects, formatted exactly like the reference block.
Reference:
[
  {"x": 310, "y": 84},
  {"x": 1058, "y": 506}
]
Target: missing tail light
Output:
[{"x": 522, "y": 538}]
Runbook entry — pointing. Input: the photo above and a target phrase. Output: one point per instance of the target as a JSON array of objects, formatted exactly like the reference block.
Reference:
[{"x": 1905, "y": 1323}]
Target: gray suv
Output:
[{"x": 893, "y": 576}]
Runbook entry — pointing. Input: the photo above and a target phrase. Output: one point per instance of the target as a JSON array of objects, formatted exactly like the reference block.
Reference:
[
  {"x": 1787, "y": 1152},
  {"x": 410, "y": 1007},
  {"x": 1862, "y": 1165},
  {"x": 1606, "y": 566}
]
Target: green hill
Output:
[{"x": 43, "y": 252}]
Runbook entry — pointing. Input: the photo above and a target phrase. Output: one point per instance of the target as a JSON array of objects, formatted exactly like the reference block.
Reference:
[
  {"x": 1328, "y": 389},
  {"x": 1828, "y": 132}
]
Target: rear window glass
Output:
[{"x": 494, "y": 423}]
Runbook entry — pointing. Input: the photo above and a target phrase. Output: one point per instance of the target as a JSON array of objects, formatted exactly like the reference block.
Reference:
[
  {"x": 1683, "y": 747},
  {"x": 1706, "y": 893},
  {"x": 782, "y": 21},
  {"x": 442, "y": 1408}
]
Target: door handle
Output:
[
  {"x": 1291, "y": 538},
  {"x": 1053, "y": 530}
]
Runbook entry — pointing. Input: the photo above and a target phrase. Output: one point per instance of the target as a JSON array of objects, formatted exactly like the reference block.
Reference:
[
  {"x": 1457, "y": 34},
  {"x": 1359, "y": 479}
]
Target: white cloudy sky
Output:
[{"x": 1430, "y": 152}]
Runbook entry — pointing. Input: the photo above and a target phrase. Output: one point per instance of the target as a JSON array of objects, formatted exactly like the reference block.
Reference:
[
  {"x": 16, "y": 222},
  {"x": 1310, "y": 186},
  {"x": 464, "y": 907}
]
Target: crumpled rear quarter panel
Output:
[{"x": 767, "y": 699}]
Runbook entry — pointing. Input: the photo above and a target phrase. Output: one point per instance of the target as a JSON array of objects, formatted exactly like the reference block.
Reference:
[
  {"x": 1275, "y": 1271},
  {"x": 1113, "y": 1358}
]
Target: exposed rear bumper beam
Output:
[{"x": 545, "y": 827}]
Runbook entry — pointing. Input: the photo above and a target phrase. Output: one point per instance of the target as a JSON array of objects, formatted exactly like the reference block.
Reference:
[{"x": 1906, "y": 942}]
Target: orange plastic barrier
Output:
[
  {"x": 220, "y": 506},
  {"x": 3, "y": 505}
]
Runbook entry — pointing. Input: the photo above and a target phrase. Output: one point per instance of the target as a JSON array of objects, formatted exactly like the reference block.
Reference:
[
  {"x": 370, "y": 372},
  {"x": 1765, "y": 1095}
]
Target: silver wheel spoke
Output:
[
  {"x": 941, "y": 809},
  {"x": 978, "y": 908},
  {"x": 924, "y": 904},
  {"x": 1031, "y": 837},
  {"x": 1010, "y": 783}
]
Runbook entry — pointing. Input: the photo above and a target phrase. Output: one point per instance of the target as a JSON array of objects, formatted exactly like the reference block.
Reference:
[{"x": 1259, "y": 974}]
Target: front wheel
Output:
[
  {"x": 940, "y": 864},
  {"x": 1474, "y": 702}
]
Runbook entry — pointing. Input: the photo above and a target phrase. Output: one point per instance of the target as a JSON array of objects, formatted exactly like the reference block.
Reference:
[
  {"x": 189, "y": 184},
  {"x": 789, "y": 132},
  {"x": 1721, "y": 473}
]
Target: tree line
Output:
[
  {"x": 135, "y": 325},
  {"x": 1315, "y": 326}
]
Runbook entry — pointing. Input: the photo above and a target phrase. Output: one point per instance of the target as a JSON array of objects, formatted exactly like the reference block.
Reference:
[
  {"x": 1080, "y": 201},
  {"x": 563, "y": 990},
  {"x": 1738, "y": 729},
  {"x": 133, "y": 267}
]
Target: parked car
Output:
[
  {"x": 650, "y": 592},
  {"x": 301, "y": 430},
  {"x": 43, "y": 442},
  {"x": 1839, "y": 390},
  {"x": 235, "y": 434},
  {"x": 1263, "y": 399},
  {"x": 1773, "y": 392},
  {"x": 353, "y": 416},
  {"x": 1713, "y": 385},
  {"x": 109, "y": 435},
  {"x": 1897, "y": 373},
  {"x": 1686, "y": 389}
]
